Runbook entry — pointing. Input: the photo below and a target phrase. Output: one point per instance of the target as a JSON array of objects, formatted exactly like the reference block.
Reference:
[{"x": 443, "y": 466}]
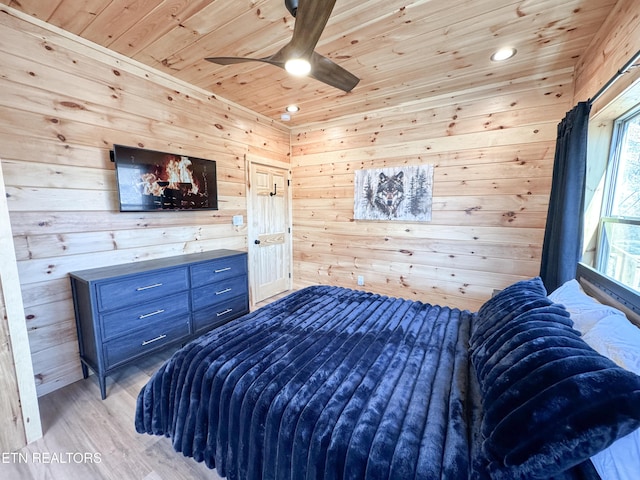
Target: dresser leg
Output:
[
  {"x": 85, "y": 370},
  {"x": 102, "y": 380}
]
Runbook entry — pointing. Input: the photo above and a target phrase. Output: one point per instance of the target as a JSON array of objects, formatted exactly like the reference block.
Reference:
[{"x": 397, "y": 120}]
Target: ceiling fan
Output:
[{"x": 311, "y": 18}]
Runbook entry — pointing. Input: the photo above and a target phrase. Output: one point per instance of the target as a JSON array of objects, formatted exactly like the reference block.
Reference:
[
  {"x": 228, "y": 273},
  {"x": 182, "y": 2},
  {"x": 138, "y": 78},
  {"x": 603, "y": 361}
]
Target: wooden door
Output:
[{"x": 269, "y": 232}]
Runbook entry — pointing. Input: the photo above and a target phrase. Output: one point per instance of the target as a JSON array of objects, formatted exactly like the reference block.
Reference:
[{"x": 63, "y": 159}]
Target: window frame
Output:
[
  {"x": 606, "y": 216},
  {"x": 626, "y": 298}
]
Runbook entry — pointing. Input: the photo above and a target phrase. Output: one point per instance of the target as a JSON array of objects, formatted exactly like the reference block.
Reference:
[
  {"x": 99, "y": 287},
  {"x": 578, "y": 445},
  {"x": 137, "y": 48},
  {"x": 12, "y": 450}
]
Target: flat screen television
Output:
[{"x": 157, "y": 181}]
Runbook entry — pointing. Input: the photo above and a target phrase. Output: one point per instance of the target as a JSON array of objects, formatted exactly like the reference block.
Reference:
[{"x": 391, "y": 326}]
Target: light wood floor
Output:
[{"x": 91, "y": 439}]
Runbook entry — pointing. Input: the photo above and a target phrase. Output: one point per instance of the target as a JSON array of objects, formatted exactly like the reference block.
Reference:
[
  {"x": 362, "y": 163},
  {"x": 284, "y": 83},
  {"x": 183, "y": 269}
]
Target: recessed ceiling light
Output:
[
  {"x": 297, "y": 66},
  {"x": 503, "y": 54},
  {"x": 292, "y": 109}
]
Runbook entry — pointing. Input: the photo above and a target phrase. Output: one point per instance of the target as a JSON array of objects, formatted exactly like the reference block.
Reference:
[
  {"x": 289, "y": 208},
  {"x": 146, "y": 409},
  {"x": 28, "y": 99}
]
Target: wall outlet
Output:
[
  {"x": 238, "y": 220},
  {"x": 360, "y": 280}
]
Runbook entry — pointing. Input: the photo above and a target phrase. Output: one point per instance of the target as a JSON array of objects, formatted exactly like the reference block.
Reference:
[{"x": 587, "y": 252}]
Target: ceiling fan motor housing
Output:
[{"x": 292, "y": 6}]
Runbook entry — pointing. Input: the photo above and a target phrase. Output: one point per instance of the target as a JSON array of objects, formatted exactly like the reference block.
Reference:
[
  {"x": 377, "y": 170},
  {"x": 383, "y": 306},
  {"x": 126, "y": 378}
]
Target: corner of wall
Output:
[{"x": 26, "y": 428}]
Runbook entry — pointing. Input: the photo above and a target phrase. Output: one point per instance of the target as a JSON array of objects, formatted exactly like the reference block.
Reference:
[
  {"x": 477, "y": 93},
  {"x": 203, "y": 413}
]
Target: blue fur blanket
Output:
[{"x": 327, "y": 383}]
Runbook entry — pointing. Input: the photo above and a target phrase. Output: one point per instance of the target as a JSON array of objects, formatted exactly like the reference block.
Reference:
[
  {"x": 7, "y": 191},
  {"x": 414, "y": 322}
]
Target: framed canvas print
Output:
[{"x": 395, "y": 193}]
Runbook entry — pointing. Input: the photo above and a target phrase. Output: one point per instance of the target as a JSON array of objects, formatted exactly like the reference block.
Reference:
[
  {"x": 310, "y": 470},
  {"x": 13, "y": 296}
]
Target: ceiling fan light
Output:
[
  {"x": 503, "y": 54},
  {"x": 297, "y": 66}
]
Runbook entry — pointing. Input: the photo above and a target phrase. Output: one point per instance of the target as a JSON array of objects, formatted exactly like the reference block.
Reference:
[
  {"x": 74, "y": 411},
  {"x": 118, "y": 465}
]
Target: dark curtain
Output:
[{"x": 562, "y": 245}]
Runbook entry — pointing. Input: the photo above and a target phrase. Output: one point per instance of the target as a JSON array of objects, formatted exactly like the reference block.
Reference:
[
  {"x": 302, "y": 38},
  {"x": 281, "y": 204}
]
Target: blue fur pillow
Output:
[
  {"x": 550, "y": 401},
  {"x": 507, "y": 304}
]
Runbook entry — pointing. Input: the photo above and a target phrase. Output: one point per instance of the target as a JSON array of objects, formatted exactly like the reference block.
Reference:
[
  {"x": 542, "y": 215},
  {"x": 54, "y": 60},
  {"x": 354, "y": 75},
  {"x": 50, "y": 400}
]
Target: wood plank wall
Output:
[
  {"x": 492, "y": 150},
  {"x": 617, "y": 41},
  {"x": 63, "y": 104}
]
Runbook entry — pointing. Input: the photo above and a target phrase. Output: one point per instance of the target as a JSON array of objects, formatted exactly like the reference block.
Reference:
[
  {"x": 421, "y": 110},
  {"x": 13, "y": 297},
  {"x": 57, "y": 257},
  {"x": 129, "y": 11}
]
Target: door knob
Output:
[{"x": 257, "y": 242}]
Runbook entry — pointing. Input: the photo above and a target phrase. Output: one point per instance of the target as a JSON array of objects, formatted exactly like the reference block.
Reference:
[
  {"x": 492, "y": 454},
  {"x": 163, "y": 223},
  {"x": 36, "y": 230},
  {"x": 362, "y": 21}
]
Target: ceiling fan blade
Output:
[
  {"x": 311, "y": 18},
  {"x": 234, "y": 60},
  {"x": 329, "y": 72}
]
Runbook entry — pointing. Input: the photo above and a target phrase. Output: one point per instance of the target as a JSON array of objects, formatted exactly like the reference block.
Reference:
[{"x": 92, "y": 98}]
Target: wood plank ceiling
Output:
[{"x": 402, "y": 50}]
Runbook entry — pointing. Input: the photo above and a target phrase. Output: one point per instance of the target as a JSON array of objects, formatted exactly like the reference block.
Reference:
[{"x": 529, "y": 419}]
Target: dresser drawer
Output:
[
  {"x": 141, "y": 342},
  {"x": 218, "y": 314},
  {"x": 141, "y": 288},
  {"x": 154, "y": 312},
  {"x": 219, "y": 269},
  {"x": 218, "y": 292}
]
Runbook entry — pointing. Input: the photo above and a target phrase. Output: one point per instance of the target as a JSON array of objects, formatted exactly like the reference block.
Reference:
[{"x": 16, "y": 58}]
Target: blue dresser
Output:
[{"x": 125, "y": 312}]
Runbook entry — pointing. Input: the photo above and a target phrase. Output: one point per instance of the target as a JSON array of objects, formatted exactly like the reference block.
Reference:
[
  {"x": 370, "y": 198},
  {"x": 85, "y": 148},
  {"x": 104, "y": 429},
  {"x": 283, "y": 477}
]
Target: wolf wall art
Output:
[{"x": 397, "y": 193}]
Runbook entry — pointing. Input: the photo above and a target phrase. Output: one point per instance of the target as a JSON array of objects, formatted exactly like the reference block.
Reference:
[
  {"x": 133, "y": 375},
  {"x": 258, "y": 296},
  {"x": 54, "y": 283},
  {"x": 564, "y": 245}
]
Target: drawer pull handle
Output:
[
  {"x": 150, "y": 314},
  {"x": 147, "y": 342},
  {"x": 222, "y": 270},
  {"x": 228, "y": 310},
  {"x": 226, "y": 290},
  {"x": 139, "y": 289}
]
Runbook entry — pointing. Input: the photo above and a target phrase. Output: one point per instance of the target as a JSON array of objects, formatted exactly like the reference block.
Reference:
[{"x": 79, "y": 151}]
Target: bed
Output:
[{"x": 333, "y": 383}]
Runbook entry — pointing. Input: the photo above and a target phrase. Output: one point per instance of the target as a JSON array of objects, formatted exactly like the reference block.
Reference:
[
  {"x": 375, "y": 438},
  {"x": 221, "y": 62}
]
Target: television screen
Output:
[{"x": 153, "y": 181}]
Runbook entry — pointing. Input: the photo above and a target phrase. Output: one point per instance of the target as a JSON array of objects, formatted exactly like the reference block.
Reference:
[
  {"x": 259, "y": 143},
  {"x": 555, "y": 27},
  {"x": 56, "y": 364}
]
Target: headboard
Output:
[{"x": 609, "y": 292}]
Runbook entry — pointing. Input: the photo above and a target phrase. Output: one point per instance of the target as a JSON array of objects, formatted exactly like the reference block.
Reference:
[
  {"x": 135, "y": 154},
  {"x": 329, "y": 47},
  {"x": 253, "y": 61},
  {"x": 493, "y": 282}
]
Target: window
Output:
[{"x": 618, "y": 254}]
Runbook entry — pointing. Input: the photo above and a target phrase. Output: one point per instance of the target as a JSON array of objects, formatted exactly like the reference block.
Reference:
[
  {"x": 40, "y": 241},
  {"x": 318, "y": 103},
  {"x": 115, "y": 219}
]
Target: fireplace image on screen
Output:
[{"x": 150, "y": 180}]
